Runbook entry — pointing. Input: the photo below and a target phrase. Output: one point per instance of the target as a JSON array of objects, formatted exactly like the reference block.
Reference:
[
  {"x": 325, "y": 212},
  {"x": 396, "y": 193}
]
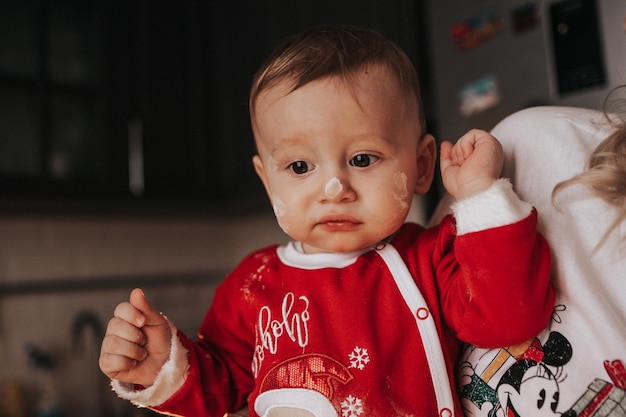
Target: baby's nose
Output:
[
  {"x": 336, "y": 189},
  {"x": 333, "y": 188}
]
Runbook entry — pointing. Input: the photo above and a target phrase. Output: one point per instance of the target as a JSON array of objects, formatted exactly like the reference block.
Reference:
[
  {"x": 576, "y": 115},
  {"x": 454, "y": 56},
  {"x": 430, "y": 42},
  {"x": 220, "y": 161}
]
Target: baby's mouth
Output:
[{"x": 339, "y": 223}]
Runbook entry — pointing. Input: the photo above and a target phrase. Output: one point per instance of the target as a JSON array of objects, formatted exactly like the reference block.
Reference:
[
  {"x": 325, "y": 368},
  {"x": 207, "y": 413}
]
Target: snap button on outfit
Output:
[{"x": 422, "y": 313}]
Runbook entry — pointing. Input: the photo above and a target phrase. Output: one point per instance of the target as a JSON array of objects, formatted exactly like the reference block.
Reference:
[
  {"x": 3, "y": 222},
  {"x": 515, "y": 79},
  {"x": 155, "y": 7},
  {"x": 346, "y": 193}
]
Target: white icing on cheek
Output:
[
  {"x": 279, "y": 211},
  {"x": 333, "y": 188},
  {"x": 400, "y": 190},
  {"x": 273, "y": 163}
]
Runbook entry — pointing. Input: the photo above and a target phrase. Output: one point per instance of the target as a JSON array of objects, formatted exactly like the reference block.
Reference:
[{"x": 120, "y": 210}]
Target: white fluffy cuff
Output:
[
  {"x": 496, "y": 206},
  {"x": 168, "y": 381}
]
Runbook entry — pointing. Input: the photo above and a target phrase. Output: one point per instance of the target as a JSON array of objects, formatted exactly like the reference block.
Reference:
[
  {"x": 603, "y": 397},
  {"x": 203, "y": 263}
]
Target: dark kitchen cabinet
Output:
[
  {"x": 118, "y": 100},
  {"x": 53, "y": 99},
  {"x": 145, "y": 101}
]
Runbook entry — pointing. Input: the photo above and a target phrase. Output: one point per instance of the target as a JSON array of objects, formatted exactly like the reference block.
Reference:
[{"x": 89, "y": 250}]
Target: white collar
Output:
[{"x": 292, "y": 254}]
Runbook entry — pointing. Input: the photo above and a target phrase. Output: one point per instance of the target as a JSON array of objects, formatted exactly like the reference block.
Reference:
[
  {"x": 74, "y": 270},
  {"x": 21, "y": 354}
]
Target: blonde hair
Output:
[
  {"x": 334, "y": 50},
  {"x": 605, "y": 174}
]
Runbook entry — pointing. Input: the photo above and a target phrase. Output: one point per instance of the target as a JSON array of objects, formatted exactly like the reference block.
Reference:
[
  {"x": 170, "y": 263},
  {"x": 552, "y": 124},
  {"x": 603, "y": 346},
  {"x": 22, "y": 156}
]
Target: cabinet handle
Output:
[{"x": 135, "y": 157}]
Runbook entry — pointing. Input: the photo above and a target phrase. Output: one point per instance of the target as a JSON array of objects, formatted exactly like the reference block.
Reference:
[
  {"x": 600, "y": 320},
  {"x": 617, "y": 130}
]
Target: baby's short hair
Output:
[{"x": 334, "y": 50}]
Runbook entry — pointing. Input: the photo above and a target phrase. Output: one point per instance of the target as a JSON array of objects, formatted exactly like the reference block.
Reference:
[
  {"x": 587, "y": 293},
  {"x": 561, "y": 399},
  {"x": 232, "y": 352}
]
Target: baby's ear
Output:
[{"x": 426, "y": 158}]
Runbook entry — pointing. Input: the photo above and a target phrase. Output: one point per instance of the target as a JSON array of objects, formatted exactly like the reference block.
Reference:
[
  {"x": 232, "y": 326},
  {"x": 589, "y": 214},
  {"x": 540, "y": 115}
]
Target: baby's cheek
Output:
[{"x": 280, "y": 211}]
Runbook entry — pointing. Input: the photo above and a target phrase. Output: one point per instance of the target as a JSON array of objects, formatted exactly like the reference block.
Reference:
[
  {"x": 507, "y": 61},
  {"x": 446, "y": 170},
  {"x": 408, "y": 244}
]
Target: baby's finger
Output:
[
  {"x": 466, "y": 145},
  {"x": 126, "y": 312},
  {"x": 445, "y": 155},
  {"x": 112, "y": 365},
  {"x": 138, "y": 301},
  {"x": 456, "y": 154},
  {"x": 116, "y": 346},
  {"x": 125, "y": 330}
]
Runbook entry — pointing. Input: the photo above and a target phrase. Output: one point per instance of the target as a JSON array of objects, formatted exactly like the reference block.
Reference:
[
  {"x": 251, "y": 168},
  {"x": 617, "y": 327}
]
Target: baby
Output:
[{"x": 362, "y": 313}]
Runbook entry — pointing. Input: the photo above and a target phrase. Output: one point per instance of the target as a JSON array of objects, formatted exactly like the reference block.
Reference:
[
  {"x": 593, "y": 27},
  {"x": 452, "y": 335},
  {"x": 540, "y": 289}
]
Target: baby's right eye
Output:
[{"x": 300, "y": 167}]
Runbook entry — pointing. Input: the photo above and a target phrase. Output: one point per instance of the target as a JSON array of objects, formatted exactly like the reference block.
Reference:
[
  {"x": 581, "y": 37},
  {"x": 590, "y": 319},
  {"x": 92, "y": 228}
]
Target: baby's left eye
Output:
[{"x": 363, "y": 160}]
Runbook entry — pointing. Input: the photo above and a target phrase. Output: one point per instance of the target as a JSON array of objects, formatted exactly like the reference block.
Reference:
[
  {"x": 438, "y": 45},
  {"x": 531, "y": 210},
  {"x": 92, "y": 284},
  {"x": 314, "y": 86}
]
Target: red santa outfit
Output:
[{"x": 372, "y": 333}]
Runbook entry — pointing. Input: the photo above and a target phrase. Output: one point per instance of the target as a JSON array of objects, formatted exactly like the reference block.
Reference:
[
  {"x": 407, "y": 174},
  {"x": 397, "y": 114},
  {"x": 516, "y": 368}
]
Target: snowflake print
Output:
[
  {"x": 359, "y": 358},
  {"x": 351, "y": 407}
]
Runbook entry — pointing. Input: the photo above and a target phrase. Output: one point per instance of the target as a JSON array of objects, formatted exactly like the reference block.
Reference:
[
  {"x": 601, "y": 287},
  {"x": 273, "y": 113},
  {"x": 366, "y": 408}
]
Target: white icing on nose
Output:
[{"x": 333, "y": 188}]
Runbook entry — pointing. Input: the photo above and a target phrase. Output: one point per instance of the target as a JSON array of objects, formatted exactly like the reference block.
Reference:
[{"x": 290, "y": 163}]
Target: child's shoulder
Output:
[
  {"x": 437, "y": 235},
  {"x": 253, "y": 266}
]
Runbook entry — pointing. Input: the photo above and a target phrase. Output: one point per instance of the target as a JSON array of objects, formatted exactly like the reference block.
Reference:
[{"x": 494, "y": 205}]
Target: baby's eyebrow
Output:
[{"x": 285, "y": 145}]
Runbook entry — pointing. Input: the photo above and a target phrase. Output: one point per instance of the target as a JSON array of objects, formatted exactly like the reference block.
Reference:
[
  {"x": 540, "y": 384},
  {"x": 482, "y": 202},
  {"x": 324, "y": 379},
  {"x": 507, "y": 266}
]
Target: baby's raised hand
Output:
[
  {"x": 136, "y": 343},
  {"x": 472, "y": 164}
]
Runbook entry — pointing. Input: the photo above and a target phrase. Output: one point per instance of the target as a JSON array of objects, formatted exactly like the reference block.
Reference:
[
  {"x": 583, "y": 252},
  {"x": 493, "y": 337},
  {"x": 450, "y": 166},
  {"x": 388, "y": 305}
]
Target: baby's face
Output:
[{"x": 341, "y": 164}]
